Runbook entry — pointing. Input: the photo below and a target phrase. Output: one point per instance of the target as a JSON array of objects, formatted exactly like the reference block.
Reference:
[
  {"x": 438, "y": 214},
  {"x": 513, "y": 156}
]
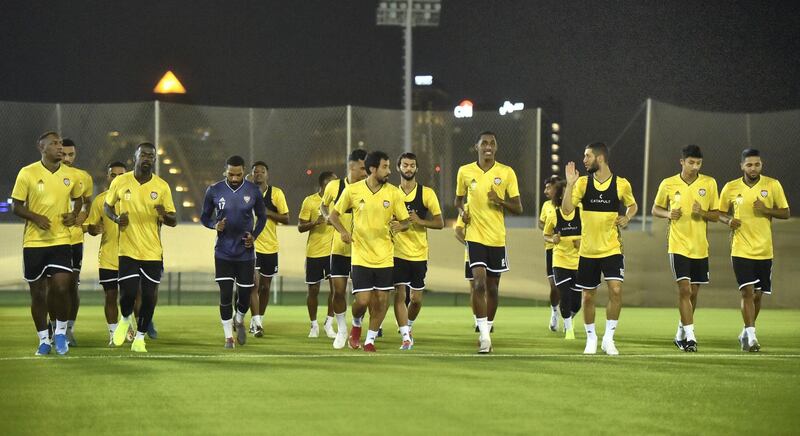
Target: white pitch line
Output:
[{"x": 402, "y": 356}]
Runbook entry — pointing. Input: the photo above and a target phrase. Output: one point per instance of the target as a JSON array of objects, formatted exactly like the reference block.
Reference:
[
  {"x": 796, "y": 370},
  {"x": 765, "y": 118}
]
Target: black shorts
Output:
[
  {"x": 38, "y": 261},
  {"x": 369, "y": 279},
  {"x": 240, "y": 272},
  {"x": 756, "y": 272},
  {"x": 317, "y": 269},
  {"x": 77, "y": 256},
  {"x": 563, "y": 276},
  {"x": 145, "y": 269},
  {"x": 686, "y": 268},
  {"x": 494, "y": 259},
  {"x": 467, "y": 271},
  {"x": 108, "y": 278},
  {"x": 267, "y": 264},
  {"x": 410, "y": 273},
  {"x": 340, "y": 265},
  {"x": 548, "y": 260},
  {"x": 590, "y": 270}
]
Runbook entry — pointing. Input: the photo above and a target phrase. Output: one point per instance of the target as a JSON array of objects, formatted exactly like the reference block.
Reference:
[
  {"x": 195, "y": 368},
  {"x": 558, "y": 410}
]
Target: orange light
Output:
[
  {"x": 309, "y": 172},
  {"x": 169, "y": 84},
  {"x": 437, "y": 168}
]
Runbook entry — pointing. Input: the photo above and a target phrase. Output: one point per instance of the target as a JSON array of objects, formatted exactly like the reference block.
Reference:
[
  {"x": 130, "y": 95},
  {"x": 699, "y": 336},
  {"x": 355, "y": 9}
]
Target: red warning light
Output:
[
  {"x": 437, "y": 168},
  {"x": 309, "y": 172}
]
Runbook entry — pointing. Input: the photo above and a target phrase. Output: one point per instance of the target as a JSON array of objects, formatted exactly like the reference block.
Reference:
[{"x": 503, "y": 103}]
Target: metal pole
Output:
[
  {"x": 157, "y": 137},
  {"x": 274, "y": 287},
  {"x": 169, "y": 288},
  {"x": 538, "y": 170},
  {"x": 349, "y": 130},
  {"x": 58, "y": 118},
  {"x": 648, "y": 117},
  {"x": 407, "y": 94},
  {"x": 252, "y": 138},
  {"x": 178, "y": 291}
]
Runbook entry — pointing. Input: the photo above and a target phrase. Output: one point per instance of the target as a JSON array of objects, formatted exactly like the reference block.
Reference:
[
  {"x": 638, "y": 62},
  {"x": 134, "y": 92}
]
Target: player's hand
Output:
[
  {"x": 623, "y": 221},
  {"x": 697, "y": 209},
  {"x": 122, "y": 219},
  {"x": 82, "y": 215},
  {"x": 395, "y": 226},
  {"x": 571, "y": 173},
  {"x": 734, "y": 223},
  {"x": 494, "y": 198},
  {"x": 347, "y": 237},
  {"x": 414, "y": 218},
  {"x": 248, "y": 240},
  {"x": 759, "y": 207},
  {"x": 576, "y": 243},
  {"x": 220, "y": 225},
  {"x": 68, "y": 219},
  {"x": 556, "y": 238},
  {"x": 320, "y": 220},
  {"x": 675, "y": 214},
  {"x": 465, "y": 217},
  {"x": 42, "y": 222}
]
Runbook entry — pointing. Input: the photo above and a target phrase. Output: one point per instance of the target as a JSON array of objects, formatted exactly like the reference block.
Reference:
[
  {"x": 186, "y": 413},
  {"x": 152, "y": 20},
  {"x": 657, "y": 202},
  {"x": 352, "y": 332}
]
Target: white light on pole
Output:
[{"x": 423, "y": 80}]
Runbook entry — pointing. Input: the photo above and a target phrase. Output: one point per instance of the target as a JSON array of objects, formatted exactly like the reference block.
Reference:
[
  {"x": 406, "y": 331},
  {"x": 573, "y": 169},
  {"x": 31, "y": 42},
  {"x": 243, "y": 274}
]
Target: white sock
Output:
[
  {"x": 357, "y": 321},
  {"x": 590, "y": 331},
  {"x": 371, "y": 335},
  {"x": 112, "y": 327},
  {"x": 314, "y": 324},
  {"x": 227, "y": 327},
  {"x": 567, "y": 323},
  {"x": 341, "y": 322},
  {"x": 483, "y": 326},
  {"x": 744, "y": 331},
  {"x": 70, "y": 324},
  {"x": 554, "y": 309},
  {"x": 679, "y": 334},
  {"x": 260, "y": 321},
  {"x": 43, "y": 336},
  {"x": 239, "y": 317},
  {"x": 411, "y": 323},
  {"x": 61, "y": 328},
  {"x": 127, "y": 318},
  {"x": 328, "y": 320},
  {"x": 490, "y": 323},
  {"x": 404, "y": 333},
  {"x": 689, "y": 330},
  {"x": 751, "y": 333},
  {"x": 139, "y": 335},
  {"x": 611, "y": 328}
]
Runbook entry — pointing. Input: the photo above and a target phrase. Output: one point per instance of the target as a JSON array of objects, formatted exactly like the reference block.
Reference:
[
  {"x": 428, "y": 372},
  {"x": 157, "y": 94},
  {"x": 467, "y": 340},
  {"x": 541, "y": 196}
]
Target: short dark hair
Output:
[
  {"x": 406, "y": 155},
  {"x": 485, "y": 132},
  {"x": 45, "y": 135},
  {"x": 750, "y": 152},
  {"x": 558, "y": 194},
  {"x": 374, "y": 160},
  {"x": 66, "y": 142},
  {"x": 357, "y": 155},
  {"x": 323, "y": 176},
  {"x": 260, "y": 163},
  {"x": 146, "y": 145},
  {"x": 552, "y": 180},
  {"x": 692, "y": 150},
  {"x": 117, "y": 164},
  {"x": 235, "y": 161},
  {"x": 599, "y": 149}
]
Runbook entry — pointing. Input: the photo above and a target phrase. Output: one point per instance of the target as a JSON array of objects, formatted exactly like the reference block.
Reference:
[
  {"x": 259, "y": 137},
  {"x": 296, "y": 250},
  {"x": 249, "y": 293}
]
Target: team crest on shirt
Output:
[
  {"x": 153, "y": 195},
  {"x": 498, "y": 181},
  {"x": 702, "y": 192},
  {"x": 66, "y": 181},
  {"x": 246, "y": 199},
  {"x": 386, "y": 204},
  {"x": 764, "y": 193},
  {"x": 473, "y": 184}
]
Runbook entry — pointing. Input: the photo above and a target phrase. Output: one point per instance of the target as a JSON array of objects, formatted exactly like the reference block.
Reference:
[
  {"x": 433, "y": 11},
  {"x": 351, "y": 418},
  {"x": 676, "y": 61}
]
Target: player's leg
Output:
[
  {"x": 330, "y": 315},
  {"x": 108, "y": 279},
  {"x": 226, "y": 308},
  {"x": 588, "y": 279},
  {"x": 35, "y": 261},
  {"x": 564, "y": 282},
  {"x": 312, "y": 302},
  {"x": 555, "y": 294},
  {"x": 58, "y": 300},
  {"x": 74, "y": 296},
  {"x": 245, "y": 286}
]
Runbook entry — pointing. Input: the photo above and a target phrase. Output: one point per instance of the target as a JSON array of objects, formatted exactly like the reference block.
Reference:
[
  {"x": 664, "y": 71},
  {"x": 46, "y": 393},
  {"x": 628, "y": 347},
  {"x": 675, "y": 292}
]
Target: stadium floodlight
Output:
[
  {"x": 554, "y": 137},
  {"x": 408, "y": 14},
  {"x": 555, "y": 158},
  {"x": 555, "y": 168},
  {"x": 555, "y": 127},
  {"x": 423, "y": 80},
  {"x": 555, "y": 148},
  {"x": 167, "y": 161},
  {"x": 169, "y": 84}
]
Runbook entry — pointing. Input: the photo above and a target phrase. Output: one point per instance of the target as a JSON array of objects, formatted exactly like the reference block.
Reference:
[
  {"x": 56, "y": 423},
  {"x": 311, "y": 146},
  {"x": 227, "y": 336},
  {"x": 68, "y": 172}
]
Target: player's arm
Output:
[
  {"x": 461, "y": 193},
  {"x": 277, "y": 216},
  {"x": 401, "y": 221},
  {"x": 208, "y": 210},
  {"x": 548, "y": 234},
  {"x": 567, "y": 202},
  {"x": 87, "y": 202},
  {"x": 94, "y": 223},
  {"x": 69, "y": 219},
  {"x": 333, "y": 218},
  {"x": 436, "y": 220},
  {"x": 513, "y": 204},
  {"x": 771, "y": 212},
  {"x": 625, "y": 192},
  {"x": 304, "y": 224},
  {"x": 166, "y": 210},
  {"x": 461, "y": 234},
  {"x": 19, "y": 209},
  {"x": 260, "y": 211}
]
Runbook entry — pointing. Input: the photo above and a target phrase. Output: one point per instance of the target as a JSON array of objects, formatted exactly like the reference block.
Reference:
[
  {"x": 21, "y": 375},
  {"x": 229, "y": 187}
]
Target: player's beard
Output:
[
  {"x": 408, "y": 177},
  {"x": 754, "y": 177},
  {"x": 593, "y": 168}
]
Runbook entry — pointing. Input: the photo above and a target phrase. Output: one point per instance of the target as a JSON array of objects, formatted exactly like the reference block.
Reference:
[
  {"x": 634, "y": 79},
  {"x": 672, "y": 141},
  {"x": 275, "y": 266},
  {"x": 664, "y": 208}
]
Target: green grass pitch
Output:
[{"x": 534, "y": 383}]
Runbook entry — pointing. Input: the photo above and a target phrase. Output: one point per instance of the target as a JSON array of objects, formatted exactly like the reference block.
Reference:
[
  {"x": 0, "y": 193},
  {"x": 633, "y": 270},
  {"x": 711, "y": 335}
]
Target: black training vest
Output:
[
  {"x": 568, "y": 228},
  {"x": 342, "y": 185},
  {"x": 417, "y": 205},
  {"x": 268, "y": 200},
  {"x": 601, "y": 201}
]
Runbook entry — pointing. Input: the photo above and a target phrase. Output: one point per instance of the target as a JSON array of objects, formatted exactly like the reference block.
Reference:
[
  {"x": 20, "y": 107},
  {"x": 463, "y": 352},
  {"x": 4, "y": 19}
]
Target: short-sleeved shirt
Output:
[
  {"x": 413, "y": 243},
  {"x": 687, "y": 235},
  {"x": 329, "y": 197},
  {"x": 547, "y": 210},
  {"x": 565, "y": 255},
  {"x": 319, "y": 237},
  {"x": 487, "y": 221},
  {"x": 141, "y": 238},
  {"x": 267, "y": 241},
  {"x": 372, "y": 212},
  {"x": 49, "y": 194},
  {"x": 600, "y": 236},
  {"x": 753, "y": 239},
  {"x": 76, "y": 232},
  {"x": 108, "y": 257}
]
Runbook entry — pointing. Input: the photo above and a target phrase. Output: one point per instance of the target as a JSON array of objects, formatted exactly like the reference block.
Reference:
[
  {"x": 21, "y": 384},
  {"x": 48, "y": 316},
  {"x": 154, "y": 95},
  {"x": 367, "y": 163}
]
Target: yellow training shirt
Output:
[
  {"x": 600, "y": 236},
  {"x": 687, "y": 235},
  {"x": 319, "y": 237},
  {"x": 141, "y": 238},
  {"x": 108, "y": 257},
  {"x": 413, "y": 243},
  {"x": 753, "y": 240},
  {"x": 76, "y": 232},
  {"x": 547, "y": 210},
  {"x": 460, "y": 223},
  {"x": 329, "y": 199},
  {"x": 487, "y": 224},
  {"x": 267, "y": 241},
  {"x": 372, "y": 212},
  {"x": 565, "y": 255},
  {"x": 50, "y": 195}
]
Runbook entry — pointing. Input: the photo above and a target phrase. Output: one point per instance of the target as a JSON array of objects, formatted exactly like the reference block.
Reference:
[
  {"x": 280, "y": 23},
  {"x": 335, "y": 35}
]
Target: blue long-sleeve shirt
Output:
[{"x": 237, "y": 207}]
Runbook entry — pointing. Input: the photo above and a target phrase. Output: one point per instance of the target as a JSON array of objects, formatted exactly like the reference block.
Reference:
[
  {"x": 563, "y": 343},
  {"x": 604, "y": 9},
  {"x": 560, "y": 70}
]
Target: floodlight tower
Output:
[{"x": 396, "y": 13}]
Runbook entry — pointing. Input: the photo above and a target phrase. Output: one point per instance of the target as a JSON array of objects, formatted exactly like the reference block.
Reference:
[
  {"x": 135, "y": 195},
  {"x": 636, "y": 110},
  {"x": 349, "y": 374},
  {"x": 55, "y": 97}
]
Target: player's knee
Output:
[{"x": 416, "y": 297}]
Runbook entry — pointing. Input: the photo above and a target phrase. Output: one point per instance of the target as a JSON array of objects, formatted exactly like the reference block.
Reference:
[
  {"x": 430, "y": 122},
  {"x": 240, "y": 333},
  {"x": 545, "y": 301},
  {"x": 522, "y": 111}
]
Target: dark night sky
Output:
[{"x": 599, "y": 59}]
